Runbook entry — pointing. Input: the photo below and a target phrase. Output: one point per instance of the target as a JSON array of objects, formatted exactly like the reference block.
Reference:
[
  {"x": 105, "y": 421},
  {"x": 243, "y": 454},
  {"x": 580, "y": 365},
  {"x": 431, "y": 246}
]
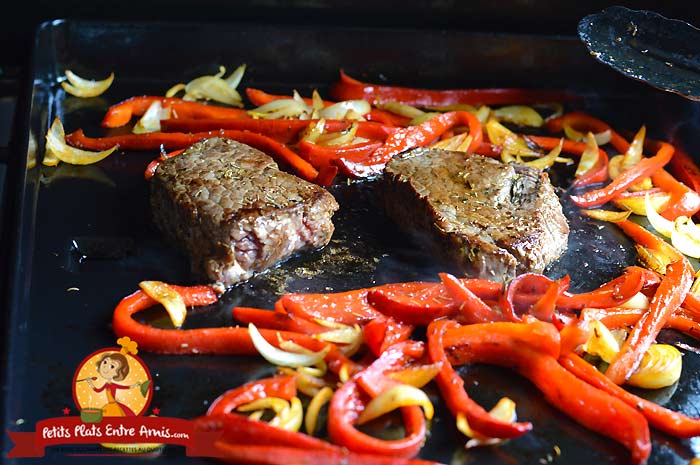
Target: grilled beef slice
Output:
[
  {"x": 489, "y": 219},
  {"x": 234, "y": 213}
]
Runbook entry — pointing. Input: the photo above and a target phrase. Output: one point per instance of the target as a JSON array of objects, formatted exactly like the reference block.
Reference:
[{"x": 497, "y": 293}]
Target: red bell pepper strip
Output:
[
  {"x": 242, "y": 454},
  {"x": 343, "y": 307},
  {"x": 668, "y": 297},
  {"x": 347, "y": 404},
  {"x": 584, "y": 122},
  {"x": 598, "y": 173},
  {"x": 282, "y": 130},
  {"x": 326, "y": 174},
  {"x": 683, "y": 201},
  {"x": 619, "y": 318},
  {"x": 153, "y": 166},
  {"x": 284, "y": 387},
  {"x": 320, "y": 156},
  {"x": 685, "y": 169},
  {"x": 451, "y": 387},
  {"x": 668, "y": 421},
  {"x": 258, "y": 97},
  {"x": 179, "y": 140},
  {"x": 526, "y": 283},
  {"x": 239, "y": 429},
  {"x": 470, "y": 307},
  {"x": 646, "y": 238},
  {"x": 269, "y": 319},
  {"x": 545, "y": 306},
  {"x": 645, "y": 167},
  {"x": 411, "y": 137},
  {"x": 384, "y": 331},
  {"x": 121, "y": 113},
  {"x": 533, "y": 352},
  {"x": 416, "y": 303},
  {"x": 613, "y": 293},
  {"x": 348, "y": 88},
  {"x": 219, "y": 340}
]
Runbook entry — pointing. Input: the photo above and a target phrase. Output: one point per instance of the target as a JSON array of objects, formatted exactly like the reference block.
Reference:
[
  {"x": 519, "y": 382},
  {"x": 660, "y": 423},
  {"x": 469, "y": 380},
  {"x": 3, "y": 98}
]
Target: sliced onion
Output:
[
  {"x": 455, "y": 107},
  {"x": 497, "y": 132},
  {"x": 661, "y": 367},
  {"x": 344, "y": 373},
  {"x": 653, "y": 259},
  {"x": 504, "y": 410},
  {"x": 322, "y": 397},
  {"x": 339, "y": 110},
  {"x": 589, "y": 157},
  {"x": 639, "y": 300},
  {"x": 57, "y": 146},
  {"x": 634, "y": 152},
  {"x": 547, "y": 160},
  {"x": 80, "y": 87},
  {"x": 290, "y": 418},
  {"x": 344, "y": 137},
  {"x": 637, "y": 203},
  {"x": 212, "y": 88},
  {"x": 345, "y": 335},
  {"x": 282, "y": 108},
  {"x": 601, "y": 342},
  {"x": 422, "y": 119},
  {"x": 458, "y": 143},
  {"x": 280, "y": 357},
  {"x": 316, "y": 101},
  {"x": 662, "y": 225},
  {"x": 695, "y": 288},
  {"x": 606, "y": 215},
  {"x": 168, "y": 297},
  {"x": 150, "y": 121},
  {"x": 685, "y": 237},
  {"x": 401, "y": 395},
  {"x": 483, "y": 114},
  {"x": 174, "y": 90},
  {"x": 236, "y": 76},
  {"x": 601, "y": 138},
  {"x": 401, "y": 109},
  {"x": 417, "y": 376},
  {"x": 521, "y": 115},
  {"x": 277, "y": 404},
  {"x": 256, "y": 415}
]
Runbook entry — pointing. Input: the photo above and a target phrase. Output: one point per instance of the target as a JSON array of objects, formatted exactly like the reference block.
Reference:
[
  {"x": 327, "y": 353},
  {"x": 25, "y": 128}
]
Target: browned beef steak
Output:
[
  {"x": 490, "y": 219},
  {"x": 234, "y": 213}
]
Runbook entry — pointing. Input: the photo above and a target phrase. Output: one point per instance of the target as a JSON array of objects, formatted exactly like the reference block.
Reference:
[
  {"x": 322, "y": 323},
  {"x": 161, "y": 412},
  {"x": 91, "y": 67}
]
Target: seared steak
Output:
[
  {"x": 490, "y": 219},
  {"x": 234, "y": 213}
]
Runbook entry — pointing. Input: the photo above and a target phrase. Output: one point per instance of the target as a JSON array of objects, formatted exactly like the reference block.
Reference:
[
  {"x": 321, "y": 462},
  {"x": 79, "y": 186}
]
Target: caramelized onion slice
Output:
[
  {"x": 280, "y": 357},
  {"x": 168, "y": 297},
  {"x": 80, "y": 87},
  {"x": 57, "y": 148},
  {"x": 401, "y": 395}
]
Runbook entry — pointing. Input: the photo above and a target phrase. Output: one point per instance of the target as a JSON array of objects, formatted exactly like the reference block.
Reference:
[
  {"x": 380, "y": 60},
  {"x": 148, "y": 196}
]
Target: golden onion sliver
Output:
[
  {"x": 168, "y": 297},
  {"x": 80, "y": 87},
  {"x": 56, "y": 144},
  {"x": 322, "y": 397},
  {"x": 400, "y": 395}
]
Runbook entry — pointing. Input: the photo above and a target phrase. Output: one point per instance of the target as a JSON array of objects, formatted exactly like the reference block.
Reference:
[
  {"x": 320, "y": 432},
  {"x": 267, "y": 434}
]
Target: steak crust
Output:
[
  {"x": 234, "y": 213},
  {"x": 492, "y": 220}
]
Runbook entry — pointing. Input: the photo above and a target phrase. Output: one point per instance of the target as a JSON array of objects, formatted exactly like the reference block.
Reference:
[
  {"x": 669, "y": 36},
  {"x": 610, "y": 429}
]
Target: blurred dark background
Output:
[{"x": 519, "y": 16}]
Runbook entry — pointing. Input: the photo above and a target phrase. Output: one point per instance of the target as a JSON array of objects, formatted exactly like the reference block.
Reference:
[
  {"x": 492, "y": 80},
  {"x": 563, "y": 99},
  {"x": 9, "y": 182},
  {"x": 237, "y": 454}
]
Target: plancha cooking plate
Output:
[{"x": 84, "y": 238}]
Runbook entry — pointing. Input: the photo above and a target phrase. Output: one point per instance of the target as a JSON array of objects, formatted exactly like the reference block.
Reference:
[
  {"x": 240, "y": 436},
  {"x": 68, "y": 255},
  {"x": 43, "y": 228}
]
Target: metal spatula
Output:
[{"x": 644, "y": 45}]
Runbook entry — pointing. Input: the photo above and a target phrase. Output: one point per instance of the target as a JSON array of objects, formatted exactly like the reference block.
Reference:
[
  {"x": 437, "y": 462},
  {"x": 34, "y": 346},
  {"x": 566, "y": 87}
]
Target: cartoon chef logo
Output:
[{"x": 112, "y": 382}]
